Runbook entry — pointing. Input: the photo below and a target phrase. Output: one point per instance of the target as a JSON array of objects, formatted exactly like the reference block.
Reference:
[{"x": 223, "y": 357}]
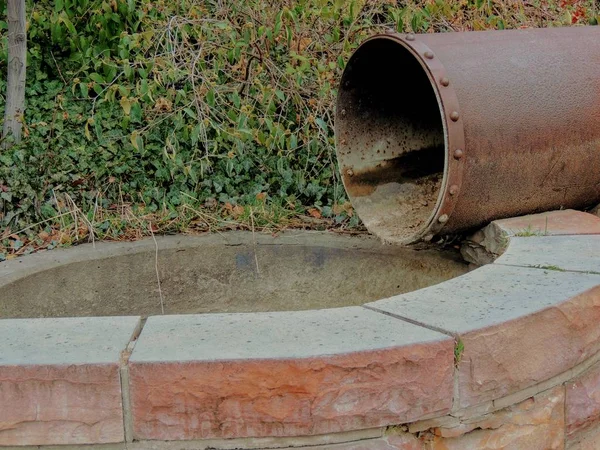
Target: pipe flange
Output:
[{"x": 454, "y": 135}]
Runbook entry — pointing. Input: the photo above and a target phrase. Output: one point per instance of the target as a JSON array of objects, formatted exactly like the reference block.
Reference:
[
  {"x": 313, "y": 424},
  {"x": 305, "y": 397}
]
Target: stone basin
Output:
[
  {"x": 307, "y": 340},
  {"x": 229, "y": 272}
]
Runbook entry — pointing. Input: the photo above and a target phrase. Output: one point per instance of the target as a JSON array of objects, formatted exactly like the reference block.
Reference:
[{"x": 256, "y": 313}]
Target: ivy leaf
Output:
[
  {"x": 126, "y": 105},
  {"x": 48, "y": 211},
  {"x": 210, "y": 98},
  {"x": 89, "y": 122},
  {"x": 134, "y": 140},
  {"x": 137, "y": 141},
  {"x": 322, "y": 124},
  {"x": 136, "y": 112},
  {"x": 64, "y": 19},
  {"x": 97, "y": 78},
  {"x": 84, "y": 90}
]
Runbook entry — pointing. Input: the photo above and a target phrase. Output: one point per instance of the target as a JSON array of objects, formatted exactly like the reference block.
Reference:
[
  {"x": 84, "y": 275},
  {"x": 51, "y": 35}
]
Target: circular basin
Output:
[{"x": 232, "y": 272}]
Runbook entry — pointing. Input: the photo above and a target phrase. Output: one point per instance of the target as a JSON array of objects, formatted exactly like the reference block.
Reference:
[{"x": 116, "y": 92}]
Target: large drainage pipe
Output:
[{"x": 441, "y": 133}]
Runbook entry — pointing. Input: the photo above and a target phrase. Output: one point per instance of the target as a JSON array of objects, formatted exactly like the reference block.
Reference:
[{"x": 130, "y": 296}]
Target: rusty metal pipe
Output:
[{"x": 440, "y": 133}]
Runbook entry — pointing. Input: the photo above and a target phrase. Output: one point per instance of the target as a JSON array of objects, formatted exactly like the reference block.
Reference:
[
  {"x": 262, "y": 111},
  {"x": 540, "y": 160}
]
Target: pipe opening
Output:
[{"x": 390, "y": 140}]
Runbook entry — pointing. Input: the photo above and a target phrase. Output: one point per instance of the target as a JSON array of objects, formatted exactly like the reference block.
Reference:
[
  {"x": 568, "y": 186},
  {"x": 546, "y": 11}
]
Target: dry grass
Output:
[{"x": 127, "y": 222}]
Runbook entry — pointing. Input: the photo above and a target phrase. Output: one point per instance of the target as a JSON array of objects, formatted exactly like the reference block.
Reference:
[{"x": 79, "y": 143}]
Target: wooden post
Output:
[{"x": 17, "y": 55}]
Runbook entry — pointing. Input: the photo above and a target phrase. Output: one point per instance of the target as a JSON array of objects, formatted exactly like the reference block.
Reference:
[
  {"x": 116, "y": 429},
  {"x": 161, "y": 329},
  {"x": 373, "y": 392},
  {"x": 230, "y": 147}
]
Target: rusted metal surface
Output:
[{"x": 441, "y": 133}]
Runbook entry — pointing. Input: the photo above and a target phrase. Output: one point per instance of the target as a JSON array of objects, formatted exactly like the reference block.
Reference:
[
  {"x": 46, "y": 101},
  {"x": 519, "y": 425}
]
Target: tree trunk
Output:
[{"x": 17, "y": 55}]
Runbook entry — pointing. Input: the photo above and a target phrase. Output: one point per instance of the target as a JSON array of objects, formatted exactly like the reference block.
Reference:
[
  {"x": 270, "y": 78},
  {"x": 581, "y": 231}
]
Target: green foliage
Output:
[
  {"x": 459, "y": 348},
  {"x": 160, "y": 104}
]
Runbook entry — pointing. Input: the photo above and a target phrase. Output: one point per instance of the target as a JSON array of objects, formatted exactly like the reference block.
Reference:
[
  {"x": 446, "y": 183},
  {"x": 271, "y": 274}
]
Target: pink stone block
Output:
[
  {"x": 290, "y": 397},
  {"x": 583, "y": 402},
  {"x": 586, "y": 439},
  {"x": 503, "y": 359},
  {"x": 53, "y": 405},
  {"x": 404, "y": 441},
  {"x": 60, "y": 382},
  {"x": 371, "y": 444},
  {"x": 534, "y": 424}
]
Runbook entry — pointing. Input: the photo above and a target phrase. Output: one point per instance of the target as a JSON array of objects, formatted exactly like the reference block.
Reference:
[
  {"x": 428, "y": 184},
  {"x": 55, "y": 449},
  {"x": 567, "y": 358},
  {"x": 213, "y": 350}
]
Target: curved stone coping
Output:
[
  {"x": 60, "y": 379},
  {"x": 285, "y": 374},
  {"x": 42, "y": 342},
  {"x": 475, "y": 352}
]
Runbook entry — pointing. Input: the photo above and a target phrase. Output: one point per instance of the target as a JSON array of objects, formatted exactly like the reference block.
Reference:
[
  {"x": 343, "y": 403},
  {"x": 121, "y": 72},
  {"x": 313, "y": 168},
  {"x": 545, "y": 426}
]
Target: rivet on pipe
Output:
[
  {"x": 428, "y": 55},
  {"x": 458, "y": 153},
  {"x": 443, "y": 218},
  {"x": 444, "y": 81},
  {"x": 453, "y": 189},
  {"x": 454, "y": 116},
  {"x": 410, "y": 37}
]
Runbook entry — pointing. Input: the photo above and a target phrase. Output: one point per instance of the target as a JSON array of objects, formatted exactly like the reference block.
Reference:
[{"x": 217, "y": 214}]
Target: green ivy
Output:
[{"x": 159, "y": 102}]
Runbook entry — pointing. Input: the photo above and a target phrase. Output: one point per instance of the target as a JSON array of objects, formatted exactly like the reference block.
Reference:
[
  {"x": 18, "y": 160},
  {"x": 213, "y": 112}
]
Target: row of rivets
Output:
[{"x": 454, "y": 116}]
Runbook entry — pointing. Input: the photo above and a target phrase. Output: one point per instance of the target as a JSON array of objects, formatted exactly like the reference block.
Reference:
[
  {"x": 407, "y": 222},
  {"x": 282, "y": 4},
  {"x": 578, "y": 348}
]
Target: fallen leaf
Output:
[
  {"x": 163, "y": 104},
  {"x": 237, "y": 211},
  {"x": 314, "y": 212},
  {"x": 126, "y": 105}
]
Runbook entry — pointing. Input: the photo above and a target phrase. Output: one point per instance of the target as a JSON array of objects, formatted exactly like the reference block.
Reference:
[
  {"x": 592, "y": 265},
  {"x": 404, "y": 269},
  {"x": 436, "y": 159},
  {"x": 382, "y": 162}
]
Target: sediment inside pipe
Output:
[{"x": 390, "y": 140}]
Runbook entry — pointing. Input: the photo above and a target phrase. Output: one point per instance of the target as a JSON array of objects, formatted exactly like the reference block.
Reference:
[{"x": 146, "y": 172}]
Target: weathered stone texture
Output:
[
  {"x": 503, "y": 359},
  {"x": 534, "y": 424},
  {"x": 75, "y": 404},
  {"x": 290, "y": 397},
  {"x": 406, "y": 441},
  {"x": 583, "y": 404},
  {"x": 400, "y": 441},
  {"x": 487, "y": 244},
  {"x": 585, "y": 439}
]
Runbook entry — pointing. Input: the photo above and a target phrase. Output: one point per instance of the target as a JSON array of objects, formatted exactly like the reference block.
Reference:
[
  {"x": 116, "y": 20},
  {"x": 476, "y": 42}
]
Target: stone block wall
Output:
[{"x": 504, "y": 357}]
